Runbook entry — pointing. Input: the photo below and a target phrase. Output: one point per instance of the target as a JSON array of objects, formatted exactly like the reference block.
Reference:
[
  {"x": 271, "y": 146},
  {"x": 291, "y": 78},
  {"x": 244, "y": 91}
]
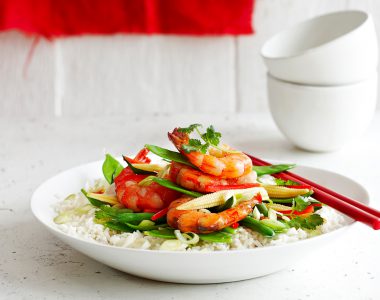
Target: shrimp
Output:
[
  {"x": 196, "y": 180},
  {"x": 150, "y": 198},
  {"x": 202, "y": 222},
  {"x": 220, "y": 163}
]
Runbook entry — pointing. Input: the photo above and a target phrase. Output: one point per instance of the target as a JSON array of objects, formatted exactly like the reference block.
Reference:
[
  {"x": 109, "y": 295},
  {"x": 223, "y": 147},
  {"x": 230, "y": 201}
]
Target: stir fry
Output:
[{"x": 203, "y": 191}]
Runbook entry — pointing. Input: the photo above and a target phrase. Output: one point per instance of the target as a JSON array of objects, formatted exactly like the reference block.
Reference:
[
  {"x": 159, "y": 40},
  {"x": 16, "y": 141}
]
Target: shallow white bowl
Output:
[
  {"x": 187, "y": 267},
  {"x": 322, "y": 118},
  {"x": 333, "y": 49}
]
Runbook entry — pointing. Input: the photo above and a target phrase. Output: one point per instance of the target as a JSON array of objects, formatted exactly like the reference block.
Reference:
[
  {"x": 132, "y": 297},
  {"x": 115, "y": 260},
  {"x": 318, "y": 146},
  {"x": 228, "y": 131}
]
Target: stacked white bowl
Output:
[{"x": 322, "y": 79}]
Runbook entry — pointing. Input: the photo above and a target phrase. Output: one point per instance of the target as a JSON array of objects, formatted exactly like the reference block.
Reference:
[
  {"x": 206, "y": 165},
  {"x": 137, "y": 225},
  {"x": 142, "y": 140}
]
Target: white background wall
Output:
[{"x": 98, "y": 75}]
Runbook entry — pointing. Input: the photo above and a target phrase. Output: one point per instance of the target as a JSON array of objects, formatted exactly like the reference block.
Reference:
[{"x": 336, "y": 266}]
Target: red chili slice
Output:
[
  {"x": 235, "y": 225},
  {"x": 160, "y": 214}
]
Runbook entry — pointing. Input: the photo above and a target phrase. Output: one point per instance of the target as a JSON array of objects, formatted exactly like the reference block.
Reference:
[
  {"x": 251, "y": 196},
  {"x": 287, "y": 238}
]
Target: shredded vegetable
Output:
[{"x": 189, "y": 238}]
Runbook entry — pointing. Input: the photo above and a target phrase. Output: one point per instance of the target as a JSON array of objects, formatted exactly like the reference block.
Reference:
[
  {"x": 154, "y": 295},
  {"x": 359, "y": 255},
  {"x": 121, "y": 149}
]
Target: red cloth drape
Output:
[{"x": 56, "y": 18}]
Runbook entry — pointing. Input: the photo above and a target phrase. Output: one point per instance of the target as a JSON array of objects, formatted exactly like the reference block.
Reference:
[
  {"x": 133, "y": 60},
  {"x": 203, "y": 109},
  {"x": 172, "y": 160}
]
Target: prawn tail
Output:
[{"x": 178, "y": 138}]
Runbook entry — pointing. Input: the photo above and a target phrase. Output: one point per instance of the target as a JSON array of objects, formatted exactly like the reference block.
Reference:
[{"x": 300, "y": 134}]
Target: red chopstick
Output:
[{"x": 348, "y": 206}]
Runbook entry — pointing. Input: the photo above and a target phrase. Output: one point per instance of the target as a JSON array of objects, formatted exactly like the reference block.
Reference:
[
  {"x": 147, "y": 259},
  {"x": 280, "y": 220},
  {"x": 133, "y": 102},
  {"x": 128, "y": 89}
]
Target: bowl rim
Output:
[
  {"x": 372, "y": 77},
  {"x": 286, "y": 31},
  {"x": 35, "y": 208}
]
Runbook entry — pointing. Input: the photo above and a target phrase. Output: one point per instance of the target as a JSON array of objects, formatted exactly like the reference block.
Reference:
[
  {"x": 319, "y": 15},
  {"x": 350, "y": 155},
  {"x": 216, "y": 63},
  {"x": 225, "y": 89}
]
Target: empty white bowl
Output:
[
  {"x": 333, "y": 49},
  {"x": 322, "y": 118}
]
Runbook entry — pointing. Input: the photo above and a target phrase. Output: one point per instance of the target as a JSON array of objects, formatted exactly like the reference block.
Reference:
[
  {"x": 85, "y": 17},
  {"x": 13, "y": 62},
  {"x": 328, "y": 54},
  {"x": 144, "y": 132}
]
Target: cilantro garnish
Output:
[
  {"x": 195, "y": 145},
  {"x": 300, "y": 203},
  {"x": 210, "y": 138},
  {"x": 310, "y": 222},
  {"x": 189, "y": 129}
]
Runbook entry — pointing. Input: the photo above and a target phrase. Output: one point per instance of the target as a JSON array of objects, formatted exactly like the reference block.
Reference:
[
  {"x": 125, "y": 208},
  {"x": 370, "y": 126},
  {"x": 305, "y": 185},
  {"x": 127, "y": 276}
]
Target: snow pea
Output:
[
  {"x": 229, "y": 230},
  {"x": 168, "y": 233},
  {"x": 145, "y": 225},
  {"x": 256, "y": 225},
  {"x": 118, "y": 226},
  {"x": 164, "y": 233},
  {"x": 263, "y": 209},
  {"x": 170, "y": 185},
  {"x": 169, "y": 155},
  {"x": 216, "y": 237},
  {"x": 111, "y": 168},
  {"x": 133, "y": 218},
  {"x": 264, "y": 170},
  {"x": 277, "y": 226}
]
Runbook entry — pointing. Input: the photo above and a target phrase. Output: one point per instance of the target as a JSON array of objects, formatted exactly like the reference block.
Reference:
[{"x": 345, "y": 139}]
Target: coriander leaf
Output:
[
  {"x": 188, "y": 148},
  {"x": 300, "y": 203},
  {"x": 195, "y": 145},
  {"x": 204, "y": 148},
  {"x": 310, "y": 222},
  {"x": 111, "y": 168},
  {"x": 211, "y": 136},
  {"x": 189, "y": 129}
]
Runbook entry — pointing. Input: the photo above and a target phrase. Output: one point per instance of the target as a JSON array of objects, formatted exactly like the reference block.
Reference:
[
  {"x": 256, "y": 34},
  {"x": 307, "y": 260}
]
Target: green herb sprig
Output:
[
  {"x": 311, "y": 222},
  {"x": 210, "y": 138}
]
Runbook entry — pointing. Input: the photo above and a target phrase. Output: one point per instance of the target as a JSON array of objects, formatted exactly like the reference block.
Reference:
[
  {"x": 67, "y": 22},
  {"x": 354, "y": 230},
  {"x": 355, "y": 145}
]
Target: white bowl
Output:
[
  {"x": 333, "y": 49},
  {"x": 187, "y": 267},
  {"x": 322, "y": 118}
]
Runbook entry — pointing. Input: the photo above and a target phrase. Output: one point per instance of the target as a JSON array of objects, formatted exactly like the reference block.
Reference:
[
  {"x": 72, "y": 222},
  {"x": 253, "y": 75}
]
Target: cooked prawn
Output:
[
  {"x": 198, "y": 221},
  {"x": 150, "y": 198},
  {"x": 196, "y": 180},
  {"x": 225, "y": 163}
]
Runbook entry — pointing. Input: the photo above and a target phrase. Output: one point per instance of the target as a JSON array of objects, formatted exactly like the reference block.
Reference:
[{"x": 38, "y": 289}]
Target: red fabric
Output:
[{"x": 56, "y": 18}]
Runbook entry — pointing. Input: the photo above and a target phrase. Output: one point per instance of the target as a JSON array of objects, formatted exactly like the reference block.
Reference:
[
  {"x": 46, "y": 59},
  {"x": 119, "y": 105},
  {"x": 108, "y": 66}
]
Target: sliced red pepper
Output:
[
  {"x": 307, "y": 210},
  {"x": 100, "y": 191},
  {"x": 142, "y": 156},
  {"x": 216, "y": 188},
  {"x": 235, "y": 225},
  {"x": 259, "y": 197},
  {"x": 316, "y": 205},
  {"x": 160, "y": 214},
  {"x": 303, "y": 186}
]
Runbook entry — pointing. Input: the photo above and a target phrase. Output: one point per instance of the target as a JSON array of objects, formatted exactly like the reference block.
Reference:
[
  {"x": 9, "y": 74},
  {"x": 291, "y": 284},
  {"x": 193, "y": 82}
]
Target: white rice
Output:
[{"x": 81, "y": 224}]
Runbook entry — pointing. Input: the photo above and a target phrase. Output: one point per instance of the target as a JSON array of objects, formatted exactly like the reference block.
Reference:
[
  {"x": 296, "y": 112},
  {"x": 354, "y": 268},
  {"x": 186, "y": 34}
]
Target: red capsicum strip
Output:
[
  {"x": 160, "y": 214},
  {"x": 259, "y": 197},
  {"x": 303, "y": 186},
  {"x": 307, "y": 210},
  {"x": 216, "y": 188},
  {"x": 140, "y": 158}
]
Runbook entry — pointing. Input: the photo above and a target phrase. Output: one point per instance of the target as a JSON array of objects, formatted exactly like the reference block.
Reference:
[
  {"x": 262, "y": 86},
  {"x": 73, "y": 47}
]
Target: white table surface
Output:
[{"x": 35, "y": 264}]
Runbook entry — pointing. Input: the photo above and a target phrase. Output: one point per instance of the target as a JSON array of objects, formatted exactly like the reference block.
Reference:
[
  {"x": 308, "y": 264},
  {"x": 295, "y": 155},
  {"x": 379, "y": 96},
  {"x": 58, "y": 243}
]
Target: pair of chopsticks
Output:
[{"x": 350, "y": 207}]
